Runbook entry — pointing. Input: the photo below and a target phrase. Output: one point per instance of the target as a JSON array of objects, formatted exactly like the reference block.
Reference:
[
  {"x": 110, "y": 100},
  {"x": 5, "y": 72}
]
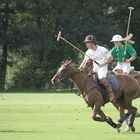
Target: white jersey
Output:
[{"x": 100, "y": 55}]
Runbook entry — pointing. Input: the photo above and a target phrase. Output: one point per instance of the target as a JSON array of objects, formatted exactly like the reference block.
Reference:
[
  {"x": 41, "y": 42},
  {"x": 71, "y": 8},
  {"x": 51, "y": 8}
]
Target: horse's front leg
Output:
[
  {"x": 109, "y": 121},
  {"x": 95, "y": 117},
  {"x": 102, "y": 117},
  {"x": 131, "y": 121}
]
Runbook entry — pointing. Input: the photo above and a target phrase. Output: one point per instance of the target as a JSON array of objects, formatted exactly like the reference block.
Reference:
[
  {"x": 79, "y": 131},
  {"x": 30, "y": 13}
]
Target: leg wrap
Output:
[
  {"x": 132, "y": 118},
  {"x": 123, "y": 118}
]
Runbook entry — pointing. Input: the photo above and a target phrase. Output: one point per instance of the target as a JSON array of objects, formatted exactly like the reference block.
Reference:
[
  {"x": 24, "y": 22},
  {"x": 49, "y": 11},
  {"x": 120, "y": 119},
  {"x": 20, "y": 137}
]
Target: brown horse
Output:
[
  {"x": 88, "y": 68},
  {"x": 129, "y": 90}
]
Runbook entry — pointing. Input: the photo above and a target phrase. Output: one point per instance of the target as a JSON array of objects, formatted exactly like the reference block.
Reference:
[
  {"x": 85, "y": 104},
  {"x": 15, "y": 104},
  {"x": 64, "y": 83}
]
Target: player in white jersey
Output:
[{"x": 103, "y": 57}]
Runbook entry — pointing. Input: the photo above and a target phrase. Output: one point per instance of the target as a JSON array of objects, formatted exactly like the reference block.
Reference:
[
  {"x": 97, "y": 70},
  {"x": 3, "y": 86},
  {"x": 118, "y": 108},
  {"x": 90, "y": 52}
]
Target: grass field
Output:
[{"x": 56, "y": 117}]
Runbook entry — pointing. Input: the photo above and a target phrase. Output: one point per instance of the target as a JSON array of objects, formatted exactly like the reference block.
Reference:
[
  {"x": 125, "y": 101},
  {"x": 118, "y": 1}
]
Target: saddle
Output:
[
  {"x": 134, "y": 73},
  {"x": 112, "y": 79}
]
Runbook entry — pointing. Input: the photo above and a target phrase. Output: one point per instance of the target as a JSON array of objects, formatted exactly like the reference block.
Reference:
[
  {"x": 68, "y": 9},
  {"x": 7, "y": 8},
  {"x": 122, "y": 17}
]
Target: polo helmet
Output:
[
  {"x": 116, "y": 38},
  {"x": 90, "y": 39}
]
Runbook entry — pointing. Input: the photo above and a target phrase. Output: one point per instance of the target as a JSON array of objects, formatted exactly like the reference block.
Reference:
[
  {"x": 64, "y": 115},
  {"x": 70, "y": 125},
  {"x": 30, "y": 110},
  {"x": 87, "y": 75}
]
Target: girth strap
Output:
[{"x": 85, "y": 89}]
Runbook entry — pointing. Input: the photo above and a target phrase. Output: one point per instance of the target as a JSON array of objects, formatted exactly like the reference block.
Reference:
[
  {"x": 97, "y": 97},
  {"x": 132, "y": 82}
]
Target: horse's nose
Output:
[{"x": 53, "y": 81}]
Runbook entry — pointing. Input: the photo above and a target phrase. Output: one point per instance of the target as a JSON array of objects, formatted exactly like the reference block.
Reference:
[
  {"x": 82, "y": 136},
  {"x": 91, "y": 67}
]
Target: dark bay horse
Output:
[{"x": 128, "y": 91}]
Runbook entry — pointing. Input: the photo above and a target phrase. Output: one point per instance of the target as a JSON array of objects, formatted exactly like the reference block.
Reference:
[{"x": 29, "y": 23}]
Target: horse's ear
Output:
[
  {"x": 70, "y": 61},
  {"x": 66, "y": 61},
  {"x": 90, "y": 60}
]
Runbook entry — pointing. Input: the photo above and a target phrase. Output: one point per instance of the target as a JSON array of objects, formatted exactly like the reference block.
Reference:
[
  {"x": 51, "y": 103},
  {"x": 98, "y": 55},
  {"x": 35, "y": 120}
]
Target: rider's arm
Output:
[
  {"x": 132, "y": 53},
  {"x": 131, "y": 59},
  {"x": 107, "y": 61}
]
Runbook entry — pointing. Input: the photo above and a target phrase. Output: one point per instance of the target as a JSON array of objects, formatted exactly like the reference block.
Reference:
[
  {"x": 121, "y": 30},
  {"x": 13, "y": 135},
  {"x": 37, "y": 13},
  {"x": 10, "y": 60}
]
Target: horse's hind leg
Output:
[
  {"x": 131, "y": 121},
  {"x": 121, "y": 111},
  {"x": 131, "y": 112},
  {"x": 119, "y": 108}
]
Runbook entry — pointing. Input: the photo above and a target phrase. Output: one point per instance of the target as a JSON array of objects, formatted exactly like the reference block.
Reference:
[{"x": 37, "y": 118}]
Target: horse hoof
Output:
[
  {"x": 119, "y": 125},
  {"x": 133, "y": 129},
  {"x": 118, "y": 130},
  {"x": 129, "y": 129}
]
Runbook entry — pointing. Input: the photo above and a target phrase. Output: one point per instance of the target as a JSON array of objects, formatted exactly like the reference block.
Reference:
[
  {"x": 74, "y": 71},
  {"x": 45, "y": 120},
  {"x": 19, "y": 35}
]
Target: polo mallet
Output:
[
  {"x": 60, "y": 37},
  {"x": 128, "y": 25},
  {"x": 128, "y": 39}
]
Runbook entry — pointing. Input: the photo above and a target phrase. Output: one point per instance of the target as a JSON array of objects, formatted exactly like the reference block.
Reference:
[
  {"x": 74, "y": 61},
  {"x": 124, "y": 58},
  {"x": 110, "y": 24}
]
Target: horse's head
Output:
[{"x": 63, "y": 72}]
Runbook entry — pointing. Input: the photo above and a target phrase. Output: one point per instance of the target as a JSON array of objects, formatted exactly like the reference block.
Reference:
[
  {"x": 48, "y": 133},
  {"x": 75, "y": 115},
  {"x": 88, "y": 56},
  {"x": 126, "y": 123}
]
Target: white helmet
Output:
[{"x": 116, "y": 38}]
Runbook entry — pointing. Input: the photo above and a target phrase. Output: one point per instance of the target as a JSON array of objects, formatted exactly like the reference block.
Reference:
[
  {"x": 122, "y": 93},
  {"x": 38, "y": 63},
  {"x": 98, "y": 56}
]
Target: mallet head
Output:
[
  {"x": 129, "y": 36},
  {"x": 131, "y": 8},
  {"x": 59, "y": 36}
]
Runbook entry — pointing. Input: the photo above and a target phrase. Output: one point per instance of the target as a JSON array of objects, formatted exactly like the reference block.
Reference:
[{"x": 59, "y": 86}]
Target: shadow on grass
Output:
[
  {"x": 130, "y": 133},
  {"x": 18, "y": 131}
]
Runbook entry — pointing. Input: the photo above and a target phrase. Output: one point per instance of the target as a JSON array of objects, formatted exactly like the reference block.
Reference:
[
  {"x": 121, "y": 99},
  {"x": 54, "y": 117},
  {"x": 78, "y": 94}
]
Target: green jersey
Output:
[{"x": 118, "y": 52}]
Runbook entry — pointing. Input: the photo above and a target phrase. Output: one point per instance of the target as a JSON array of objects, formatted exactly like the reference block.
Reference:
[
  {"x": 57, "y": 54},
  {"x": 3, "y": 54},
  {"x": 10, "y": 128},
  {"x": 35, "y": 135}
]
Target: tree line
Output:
[{"x": 29, "y": 52}]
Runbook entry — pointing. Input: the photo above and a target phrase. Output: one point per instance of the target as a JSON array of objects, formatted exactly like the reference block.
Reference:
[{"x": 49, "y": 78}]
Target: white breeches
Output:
[
  {"x": 124, "y": 66},
  {"x": 101, "y": 71}
]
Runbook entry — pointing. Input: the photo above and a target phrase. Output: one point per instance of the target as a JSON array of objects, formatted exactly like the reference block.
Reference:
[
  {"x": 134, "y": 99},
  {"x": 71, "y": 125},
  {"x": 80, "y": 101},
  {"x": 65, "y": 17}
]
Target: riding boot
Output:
[{"x": 108, "y": 88}]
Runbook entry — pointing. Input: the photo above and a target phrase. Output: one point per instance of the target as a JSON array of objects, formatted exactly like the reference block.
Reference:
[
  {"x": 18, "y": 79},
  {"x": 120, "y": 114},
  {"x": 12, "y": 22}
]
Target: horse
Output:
[
  {"x": 128, "y": 91},
  {"x": 88, "y": 68}
]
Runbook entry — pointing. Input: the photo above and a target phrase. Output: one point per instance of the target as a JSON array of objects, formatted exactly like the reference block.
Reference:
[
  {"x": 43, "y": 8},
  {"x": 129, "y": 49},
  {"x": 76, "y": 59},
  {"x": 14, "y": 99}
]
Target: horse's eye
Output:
[{"x": 63, "y": 70}]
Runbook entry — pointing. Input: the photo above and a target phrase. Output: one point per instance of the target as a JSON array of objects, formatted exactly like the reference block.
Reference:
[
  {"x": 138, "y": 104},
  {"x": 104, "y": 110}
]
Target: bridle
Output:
[{"x": 68, "y": 75}]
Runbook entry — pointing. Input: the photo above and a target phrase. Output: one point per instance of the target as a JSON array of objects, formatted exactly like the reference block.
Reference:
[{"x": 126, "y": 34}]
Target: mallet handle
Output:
[
  {"x": 128, "y": 24},
  {"x": 77, "y": 48}
]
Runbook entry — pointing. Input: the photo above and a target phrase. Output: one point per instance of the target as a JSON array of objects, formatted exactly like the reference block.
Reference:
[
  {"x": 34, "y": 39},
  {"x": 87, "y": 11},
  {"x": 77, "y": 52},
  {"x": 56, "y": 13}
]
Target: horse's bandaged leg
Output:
[
  {"x": 123, "y": 118},
  {"x": 132, "y": 118},
  {"x": 131, "y": 122}
]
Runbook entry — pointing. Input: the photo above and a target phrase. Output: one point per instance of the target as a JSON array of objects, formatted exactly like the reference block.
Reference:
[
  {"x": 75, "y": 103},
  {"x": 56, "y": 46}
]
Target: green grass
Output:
[{"x": 56, "y": 117}]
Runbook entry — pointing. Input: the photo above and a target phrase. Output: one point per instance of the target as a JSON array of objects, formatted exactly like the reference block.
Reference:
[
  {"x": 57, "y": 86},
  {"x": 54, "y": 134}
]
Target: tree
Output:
[{"x": 28, "y": 29}]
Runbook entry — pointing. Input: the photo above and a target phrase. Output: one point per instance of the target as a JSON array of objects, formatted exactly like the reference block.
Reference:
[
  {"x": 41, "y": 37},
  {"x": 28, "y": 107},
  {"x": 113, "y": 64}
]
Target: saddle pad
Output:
[{"x": 112, "y": 80}]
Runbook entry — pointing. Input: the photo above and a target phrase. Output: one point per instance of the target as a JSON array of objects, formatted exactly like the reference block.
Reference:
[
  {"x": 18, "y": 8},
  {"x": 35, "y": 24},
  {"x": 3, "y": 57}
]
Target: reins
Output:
[
  {"x": 84, "y": 90},
  {"x": 69, "y": 75}
]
